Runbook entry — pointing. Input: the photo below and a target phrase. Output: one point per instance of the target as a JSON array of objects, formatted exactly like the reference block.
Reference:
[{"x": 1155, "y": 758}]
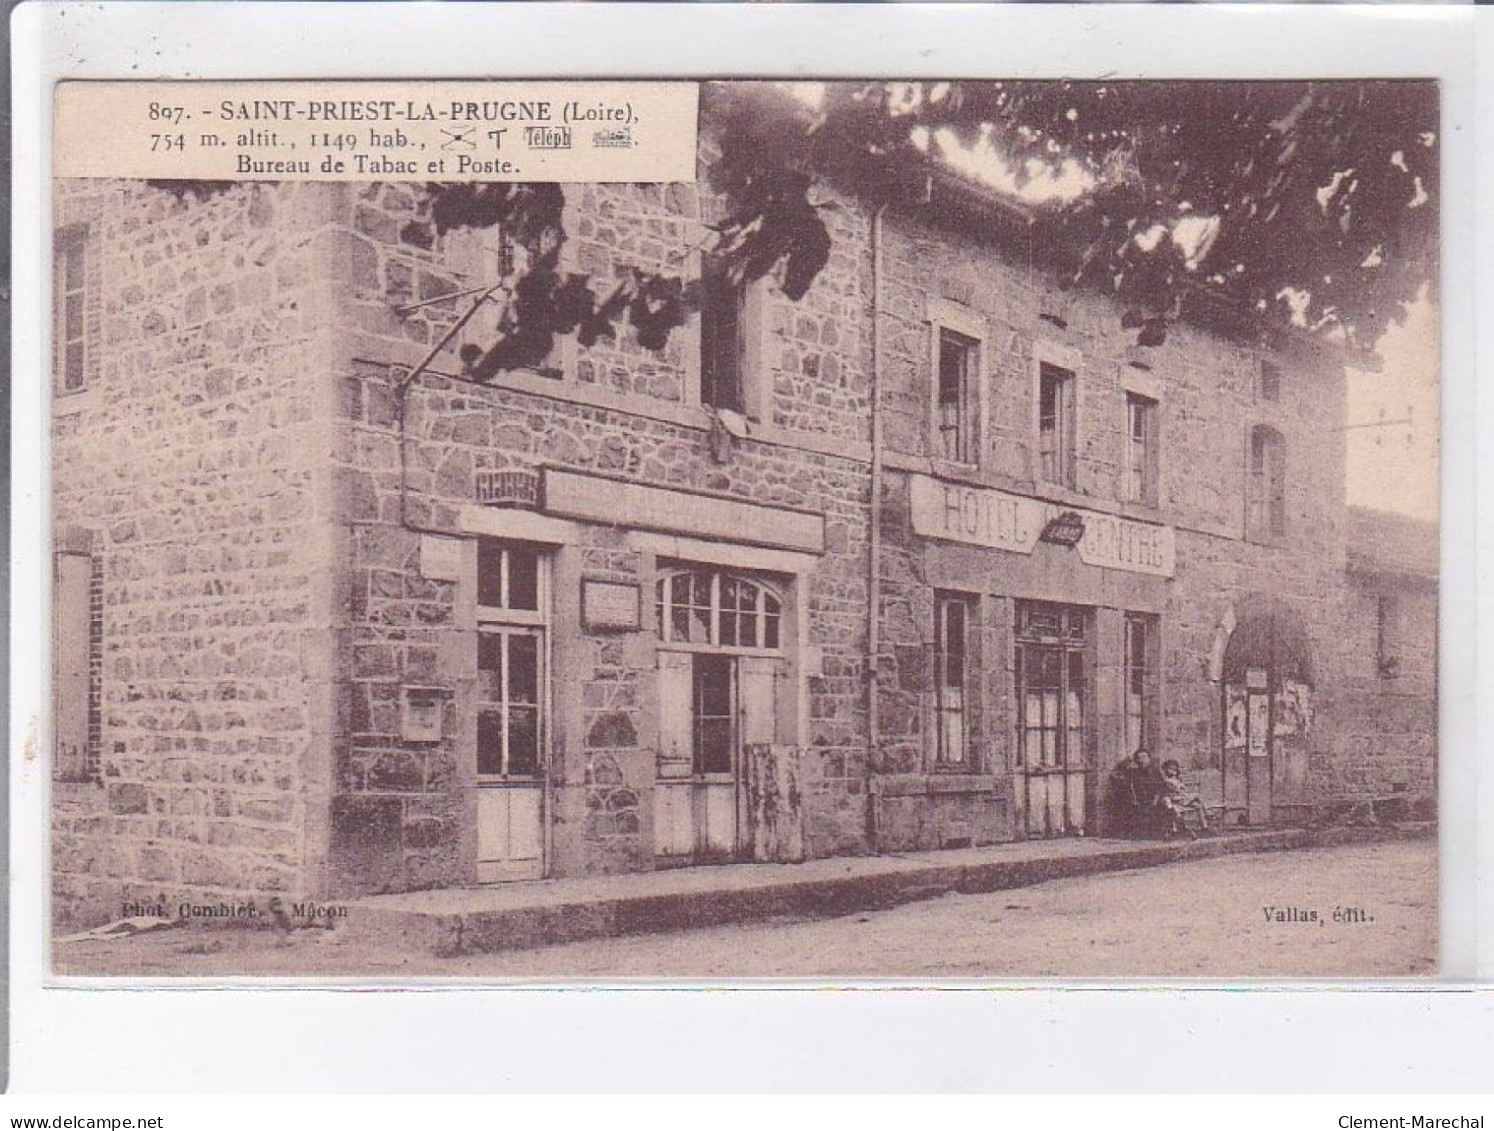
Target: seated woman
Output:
[{"x": 1135, "y": 790}]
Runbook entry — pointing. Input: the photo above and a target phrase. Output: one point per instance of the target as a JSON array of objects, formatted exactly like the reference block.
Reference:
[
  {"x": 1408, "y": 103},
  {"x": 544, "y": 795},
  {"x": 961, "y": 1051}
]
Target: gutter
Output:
[
  {"x": 874, "y": 535},
  {"x": 874, "y": 539}
]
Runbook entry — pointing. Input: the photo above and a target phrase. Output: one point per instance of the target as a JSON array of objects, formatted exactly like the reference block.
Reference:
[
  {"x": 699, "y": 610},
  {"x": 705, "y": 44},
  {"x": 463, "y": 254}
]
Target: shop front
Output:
[
  {"x": 637, "y": 688},
  {"x": 1069, "y": 682}
]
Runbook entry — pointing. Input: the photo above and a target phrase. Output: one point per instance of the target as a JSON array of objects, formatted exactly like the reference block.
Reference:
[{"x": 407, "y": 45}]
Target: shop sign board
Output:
[{"x": 983, "y": 516}]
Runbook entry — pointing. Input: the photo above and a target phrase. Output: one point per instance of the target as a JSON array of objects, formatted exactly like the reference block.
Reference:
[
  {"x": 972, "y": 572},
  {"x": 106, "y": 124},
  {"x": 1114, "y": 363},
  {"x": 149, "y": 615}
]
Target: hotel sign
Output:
[{"x": 982, "y": 516}]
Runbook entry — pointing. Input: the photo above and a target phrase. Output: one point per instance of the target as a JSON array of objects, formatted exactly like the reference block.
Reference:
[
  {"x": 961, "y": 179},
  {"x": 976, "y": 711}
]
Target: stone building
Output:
[{"x": 334, "y": 620}]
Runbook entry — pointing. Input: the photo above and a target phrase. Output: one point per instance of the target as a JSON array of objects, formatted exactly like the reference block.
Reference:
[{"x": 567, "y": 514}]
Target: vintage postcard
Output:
[{"x": 735, "y": 530}]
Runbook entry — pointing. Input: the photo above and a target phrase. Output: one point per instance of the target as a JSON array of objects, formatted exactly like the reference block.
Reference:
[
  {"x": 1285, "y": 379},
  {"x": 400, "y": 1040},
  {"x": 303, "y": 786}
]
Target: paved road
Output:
[{"x": 1202, "y": 919}]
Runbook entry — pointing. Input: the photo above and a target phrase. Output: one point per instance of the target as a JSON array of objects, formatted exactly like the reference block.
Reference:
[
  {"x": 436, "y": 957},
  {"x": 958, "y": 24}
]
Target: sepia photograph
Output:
[{"x": 934, "y": 531}]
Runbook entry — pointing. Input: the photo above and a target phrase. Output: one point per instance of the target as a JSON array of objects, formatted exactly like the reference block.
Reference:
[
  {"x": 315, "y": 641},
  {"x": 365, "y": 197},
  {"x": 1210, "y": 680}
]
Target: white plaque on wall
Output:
[{"x": 610, "y": 605}]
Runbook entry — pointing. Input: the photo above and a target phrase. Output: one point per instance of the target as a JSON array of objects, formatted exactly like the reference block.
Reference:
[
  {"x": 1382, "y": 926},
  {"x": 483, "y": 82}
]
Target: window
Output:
[
  {"x": 957, "y": 399},
  {"x": 71, "y": 313},
  {"x": 951, "y": 664},
  {"x": 511, "y": 660},
  {"x": 508, "y": 576},
  {"x": 1141, "y": 449},
  {"x": 1387, "y": 635},
  {"x": 719, "y": 609},
  {"x": 722, "y": 321},
  {"x": 508, "y": 718},
  {"x": 1140, "y": 676},
  {"x": 77, "y": 615},
  {"x": 1266, "y": 485},
  {"x": 712, "y": 714},
  {"x": 1056, "y": 424},
  {"x": 1270, "y": 381}
]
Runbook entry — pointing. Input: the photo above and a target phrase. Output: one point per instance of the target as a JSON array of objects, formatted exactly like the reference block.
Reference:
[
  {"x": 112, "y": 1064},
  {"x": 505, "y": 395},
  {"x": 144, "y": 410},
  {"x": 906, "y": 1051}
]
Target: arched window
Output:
[
  {"x": 1266, "y": 482},
  {"x": 706, "y": 606}
]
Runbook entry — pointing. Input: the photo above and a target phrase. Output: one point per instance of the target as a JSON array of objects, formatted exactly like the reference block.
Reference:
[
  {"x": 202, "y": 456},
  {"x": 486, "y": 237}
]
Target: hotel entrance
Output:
[{"x": 1055, "y": 757}]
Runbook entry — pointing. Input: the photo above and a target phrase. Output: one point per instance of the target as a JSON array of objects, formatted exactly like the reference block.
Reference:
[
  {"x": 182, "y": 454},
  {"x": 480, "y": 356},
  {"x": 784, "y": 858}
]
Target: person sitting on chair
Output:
[
  {"x": 1176, "y": 800},
  {"x": 1136, "y": 789}
]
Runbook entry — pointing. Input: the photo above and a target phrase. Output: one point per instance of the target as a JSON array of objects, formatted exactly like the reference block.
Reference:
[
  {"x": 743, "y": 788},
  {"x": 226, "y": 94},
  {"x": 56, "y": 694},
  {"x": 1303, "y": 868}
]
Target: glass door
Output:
[{"x": 1053, "y": 748}]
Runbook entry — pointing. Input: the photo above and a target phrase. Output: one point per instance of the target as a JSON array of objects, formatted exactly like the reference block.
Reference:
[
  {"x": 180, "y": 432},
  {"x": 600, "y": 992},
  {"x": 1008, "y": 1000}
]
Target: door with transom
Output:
[
  {"x": 1054, "y": 775},
  {"x": 511, "y": 709},
  {"x": 719, "y": 660}
]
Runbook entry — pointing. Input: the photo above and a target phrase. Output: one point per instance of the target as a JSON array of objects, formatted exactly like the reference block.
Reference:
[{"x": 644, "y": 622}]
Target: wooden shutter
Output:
[
  {"x": 70, "y": 614},
  {"x": 757, "y": 684},
  {"x": 676, "y": 723}
]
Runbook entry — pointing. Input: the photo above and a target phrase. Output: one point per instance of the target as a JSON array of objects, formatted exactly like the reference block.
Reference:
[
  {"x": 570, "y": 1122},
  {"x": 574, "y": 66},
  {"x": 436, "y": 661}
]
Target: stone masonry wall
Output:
[
  {"x": 237, "y": 466},
  {"x": 1205, "y": 385},
  {"x": 189, "y": 464},
  {"x": 1384, "y": 728},
  {"x": 615, "y": 409}
]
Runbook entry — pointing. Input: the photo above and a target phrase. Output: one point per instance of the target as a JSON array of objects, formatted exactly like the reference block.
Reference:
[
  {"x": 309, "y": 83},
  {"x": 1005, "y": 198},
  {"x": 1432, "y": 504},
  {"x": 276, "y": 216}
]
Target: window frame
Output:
[
  {"x": 1265, "y": 483},
  {"x": 1065, "y": 428},
  {"x": 504, "y": 622},
  {"x": 1146, "y": 717},
  {"x": 959, "y": 442},
  {"x": 700, "y": 665},
  {"x": 1268, "y": 381},
  {"x": 755, "y": 388},
  {"x": 940, "y": 758},
  {"x": 664, "y": 603},
  {"x": 73, "y": 239},
  {"x": 945, "y": 316},
  {"x": 717, "y": 294},
  {"x": 1142, "y": 483}
]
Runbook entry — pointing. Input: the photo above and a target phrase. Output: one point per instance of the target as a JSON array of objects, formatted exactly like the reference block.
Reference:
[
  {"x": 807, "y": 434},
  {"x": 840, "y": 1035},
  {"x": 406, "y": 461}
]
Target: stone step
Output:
[{"x": 451, "y": 922}]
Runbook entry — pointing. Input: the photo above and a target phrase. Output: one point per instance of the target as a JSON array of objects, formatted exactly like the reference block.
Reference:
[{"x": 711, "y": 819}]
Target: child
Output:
[{"x": 1176, "y": 800}]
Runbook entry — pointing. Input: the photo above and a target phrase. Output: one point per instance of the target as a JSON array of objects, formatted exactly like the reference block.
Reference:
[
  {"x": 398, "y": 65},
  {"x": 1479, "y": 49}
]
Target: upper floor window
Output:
[
  {"x": 1141, "y": 449},
  {"x": 71, "y": 309},
  {"x": 951, "y": 672},
  {"x": 1056, "y": 424},
  {"x": 957, "y": 398},
  {"x": 722, "y": 347},
  {"x": 1268, "y": 386},
  {"x": 710, "y": 607},
  {"x": 1266, "y": 482}
]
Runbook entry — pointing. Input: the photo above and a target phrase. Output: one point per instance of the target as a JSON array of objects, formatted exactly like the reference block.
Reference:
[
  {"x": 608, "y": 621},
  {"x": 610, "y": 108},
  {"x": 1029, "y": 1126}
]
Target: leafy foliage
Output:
[{"x": 1312, "y": 204}]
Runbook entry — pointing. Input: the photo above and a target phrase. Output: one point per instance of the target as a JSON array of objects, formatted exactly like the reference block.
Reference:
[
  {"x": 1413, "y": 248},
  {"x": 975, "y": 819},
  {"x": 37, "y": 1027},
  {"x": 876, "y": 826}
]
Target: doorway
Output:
[
  {"x": 1266, "y": 716},
  {"x": 1055, "y": 773},
  {"x": 510, "y": 702},
  {"x": 718, "y": 667}
]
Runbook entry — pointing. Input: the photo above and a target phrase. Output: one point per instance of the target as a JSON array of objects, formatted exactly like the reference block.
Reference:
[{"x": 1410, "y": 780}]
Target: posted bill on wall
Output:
[{"x": 744, "y": 529}]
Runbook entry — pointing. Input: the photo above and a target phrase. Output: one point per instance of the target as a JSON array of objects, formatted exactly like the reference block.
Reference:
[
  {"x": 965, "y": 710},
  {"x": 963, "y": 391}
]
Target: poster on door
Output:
[
  {"x": 1235, "y": 718},
  {"x": 1260, "y": 724},
  {"x": 1293, "y": 708}
]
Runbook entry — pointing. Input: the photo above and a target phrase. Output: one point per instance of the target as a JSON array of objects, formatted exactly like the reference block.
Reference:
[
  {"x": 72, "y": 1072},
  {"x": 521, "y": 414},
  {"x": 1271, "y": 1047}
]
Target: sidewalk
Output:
[{"x": 455, "y": 921}]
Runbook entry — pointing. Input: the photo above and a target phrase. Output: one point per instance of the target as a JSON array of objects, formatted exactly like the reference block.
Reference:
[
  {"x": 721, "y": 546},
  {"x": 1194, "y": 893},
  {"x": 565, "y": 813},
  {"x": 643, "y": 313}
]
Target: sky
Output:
[{"x": 1396, "y": 467}]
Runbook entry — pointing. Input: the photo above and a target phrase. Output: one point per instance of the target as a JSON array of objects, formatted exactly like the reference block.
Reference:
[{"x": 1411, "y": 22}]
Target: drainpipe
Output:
[{"x": 874, "y": 540}]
